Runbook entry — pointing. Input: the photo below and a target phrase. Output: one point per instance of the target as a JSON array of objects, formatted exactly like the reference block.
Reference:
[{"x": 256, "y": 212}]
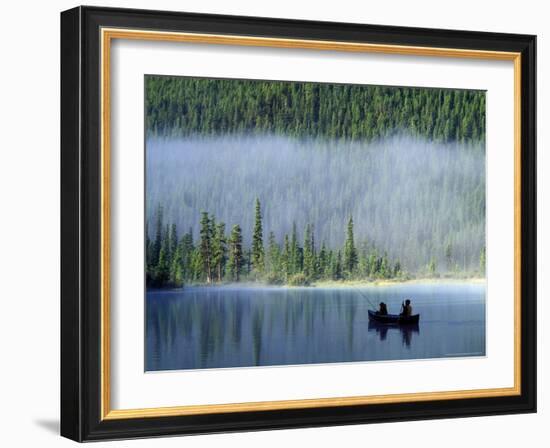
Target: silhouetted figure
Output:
[
  {"x": 383, "y": 309},
  {"x": 406, "y": 309}
]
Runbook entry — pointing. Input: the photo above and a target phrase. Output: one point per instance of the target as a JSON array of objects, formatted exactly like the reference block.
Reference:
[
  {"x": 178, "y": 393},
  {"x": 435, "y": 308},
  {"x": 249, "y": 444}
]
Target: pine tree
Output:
[
  {"x": 257, "y": 240},
  {"x": 176, "y": 267},
  {"x": 173, "y": 239},
  {"x": 350, "y": 252},
  {"x": 187, "y": 249},
  {"x": 309, "y": 253},
  {"x": 397, "y": 269},
  {"x": 337, "y": 266},
  {"x": 294, "y": 252},
  {"x": 219, "y": 250},
  {"x": 236, "y": 260},
  {"x": 385, "y": 266},
  {"x": 323, "y": 261},
  {"x": 285, "y": 259},
  {"x": 373, "y": 263},
  {"x": 205, "y": 246},
  {"x": 273, "y": 257}
]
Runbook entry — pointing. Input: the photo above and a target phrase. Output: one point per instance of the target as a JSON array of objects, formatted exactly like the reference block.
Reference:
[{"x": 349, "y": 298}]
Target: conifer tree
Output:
[
  {"x": 176, "y": 267},
  {"x": 257, "y": 240},
  {"x": 286, "y": 259},
  {"x": 219, "y": 250},
  {"x": 205, "y": 247},
  {"x": 273, "y": 256},
  {"x": 350, "y": 252},
  {"x": 397, "y": 269},
  {"x": 323, "y": 261},
  {"x": 337, "y": 266},
  {"x": 309, "y": 254},
  {"x": 294, "y": 252},
  {"x": 236, "y": 260},
  {"x": 173, "y": 239},
  {"x": 187, "y": 249}
]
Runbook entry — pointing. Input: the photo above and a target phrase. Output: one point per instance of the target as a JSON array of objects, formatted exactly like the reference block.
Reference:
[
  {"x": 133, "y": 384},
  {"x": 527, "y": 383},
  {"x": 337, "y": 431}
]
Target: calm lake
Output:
[{"x": 214, "y": 327}]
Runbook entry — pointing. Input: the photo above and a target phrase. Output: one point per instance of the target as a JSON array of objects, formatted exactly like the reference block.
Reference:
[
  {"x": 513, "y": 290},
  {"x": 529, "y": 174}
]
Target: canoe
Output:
[{"x": 395, "y": 319}]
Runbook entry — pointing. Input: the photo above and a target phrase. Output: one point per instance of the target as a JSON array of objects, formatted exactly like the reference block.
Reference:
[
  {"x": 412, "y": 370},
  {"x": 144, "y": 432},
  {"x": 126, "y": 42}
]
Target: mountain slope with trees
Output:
[{"x": 181, "y": 106}]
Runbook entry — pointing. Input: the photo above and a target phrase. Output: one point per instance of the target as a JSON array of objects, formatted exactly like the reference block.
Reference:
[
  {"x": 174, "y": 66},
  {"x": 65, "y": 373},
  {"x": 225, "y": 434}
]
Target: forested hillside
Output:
[
  {"x": 179, "y": 106},
  {"x": 405, "y": 166}
]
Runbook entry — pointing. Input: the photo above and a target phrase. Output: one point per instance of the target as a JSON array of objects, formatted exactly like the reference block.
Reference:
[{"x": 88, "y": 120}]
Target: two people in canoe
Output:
[{"x": 406, "y": 309}]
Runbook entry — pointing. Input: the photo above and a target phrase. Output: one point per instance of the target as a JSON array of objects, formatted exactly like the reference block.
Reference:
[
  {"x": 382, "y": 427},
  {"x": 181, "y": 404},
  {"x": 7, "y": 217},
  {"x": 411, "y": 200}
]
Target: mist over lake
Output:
[{"x": 408, "y": 196}]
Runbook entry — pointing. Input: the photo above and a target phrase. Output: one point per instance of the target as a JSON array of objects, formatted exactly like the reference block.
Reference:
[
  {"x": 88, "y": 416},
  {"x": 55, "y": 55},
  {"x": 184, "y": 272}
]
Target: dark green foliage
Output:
[
  {"x": 218, "y": 258},
  {"x": 162, "y": 269},
  {"x": 309, "y": 253},
  {"x": 219, "y": 251},
  {"x": 337, "y": 267},
  {"x": 449, "y": 239},
  {"x": 205, "y": 246},
  {"x": 236, "y": 259},
  {"x": 177, "y": 106},
  {"x": 257, "y": 240},
  {"x": 350, "y": 252}
]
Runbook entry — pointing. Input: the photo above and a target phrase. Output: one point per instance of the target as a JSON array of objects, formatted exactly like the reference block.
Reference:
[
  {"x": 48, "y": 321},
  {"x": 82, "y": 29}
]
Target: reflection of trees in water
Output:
[
  {"x": 212, "y": 327},
  {"x": 405, "y": 330}
]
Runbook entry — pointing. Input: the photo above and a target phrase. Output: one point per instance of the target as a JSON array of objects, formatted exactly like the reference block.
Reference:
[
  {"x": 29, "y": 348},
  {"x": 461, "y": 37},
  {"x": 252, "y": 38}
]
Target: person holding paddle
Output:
[{"x": 406, "y": 309}]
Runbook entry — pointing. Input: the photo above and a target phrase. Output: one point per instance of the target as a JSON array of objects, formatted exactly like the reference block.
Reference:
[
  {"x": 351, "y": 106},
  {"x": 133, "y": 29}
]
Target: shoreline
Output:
[
  {"x": 335, "y": 284},
  {"x": 394, "y": 282}
]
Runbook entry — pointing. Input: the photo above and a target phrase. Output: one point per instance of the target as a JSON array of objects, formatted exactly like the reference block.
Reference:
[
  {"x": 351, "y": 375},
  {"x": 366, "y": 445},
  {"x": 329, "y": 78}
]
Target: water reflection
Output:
[
  {"x": 198, "y": 328},
  {"x": 406, "y": 331}
]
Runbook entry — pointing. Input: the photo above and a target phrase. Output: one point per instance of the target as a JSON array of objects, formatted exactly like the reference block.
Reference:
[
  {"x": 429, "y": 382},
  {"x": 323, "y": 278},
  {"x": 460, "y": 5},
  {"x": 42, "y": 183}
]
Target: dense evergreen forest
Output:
[
  {"x": 355, "y": 182},
  {"x": 220, "y": 256},
  {"x": 179, "y": 106}
]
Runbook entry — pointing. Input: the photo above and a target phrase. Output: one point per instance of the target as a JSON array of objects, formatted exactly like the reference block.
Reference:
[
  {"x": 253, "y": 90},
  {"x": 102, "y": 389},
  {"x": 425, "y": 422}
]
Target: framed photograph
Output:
[{"x": 274, "y": 224}]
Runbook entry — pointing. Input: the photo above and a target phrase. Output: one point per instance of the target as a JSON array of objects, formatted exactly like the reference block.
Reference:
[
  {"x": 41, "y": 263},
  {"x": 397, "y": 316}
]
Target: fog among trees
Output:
[{"x": 421, "y": 202}]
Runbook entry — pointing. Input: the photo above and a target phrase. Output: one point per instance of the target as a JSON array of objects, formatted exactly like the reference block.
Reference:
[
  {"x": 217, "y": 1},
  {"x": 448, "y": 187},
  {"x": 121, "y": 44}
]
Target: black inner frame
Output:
[{"x": 81, "y": 224}]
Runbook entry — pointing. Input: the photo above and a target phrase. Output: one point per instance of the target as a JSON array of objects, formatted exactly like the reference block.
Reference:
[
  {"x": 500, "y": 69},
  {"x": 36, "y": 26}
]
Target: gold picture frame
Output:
[{"x": 517, "y": 49}]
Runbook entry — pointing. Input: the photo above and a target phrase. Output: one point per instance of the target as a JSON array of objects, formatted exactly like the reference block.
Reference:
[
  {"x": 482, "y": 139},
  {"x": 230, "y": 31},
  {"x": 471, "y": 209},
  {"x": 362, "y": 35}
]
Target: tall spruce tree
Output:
[
  {"x": 309, "y": 253},
  {"x": 219, "y": 250},
  {"x": 187, "y": 249},
  {"x": 173, "y": 239},
  {"x": 176, "y": 267},
  {"x": 295, "y": 259},
  {"x": 236, "y": 260},
  {"x": 205, "y": 247},
  {"x": 323, "y": 261},
  {"x": 336, "y": 269},
  {"x": 350, "y": 252},
  {"x": 273, "y": 256},
  {"x": 258, "y": 261}
]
